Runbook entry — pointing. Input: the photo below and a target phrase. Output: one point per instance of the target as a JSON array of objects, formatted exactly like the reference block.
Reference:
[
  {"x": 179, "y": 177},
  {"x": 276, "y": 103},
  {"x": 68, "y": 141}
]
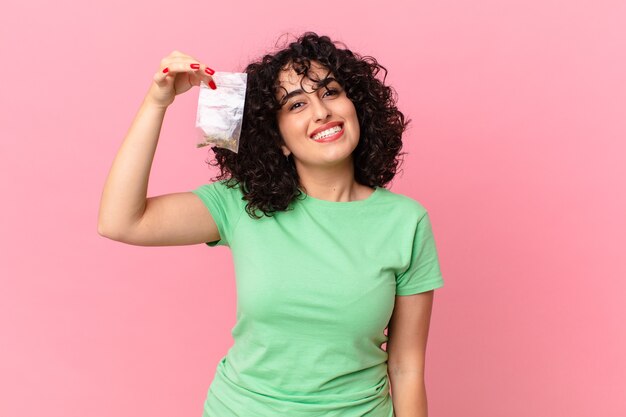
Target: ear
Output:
[{"x": 285, "y": 149}]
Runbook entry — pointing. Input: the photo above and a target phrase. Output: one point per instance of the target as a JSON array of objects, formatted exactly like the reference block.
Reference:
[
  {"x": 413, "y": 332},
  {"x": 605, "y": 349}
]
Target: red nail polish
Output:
[
  {"x": 165, "y": 70},
  {"x": 195, "y": 66},
  {"x": 209, "y": 71},
  {"x": 212, "y": 85}
]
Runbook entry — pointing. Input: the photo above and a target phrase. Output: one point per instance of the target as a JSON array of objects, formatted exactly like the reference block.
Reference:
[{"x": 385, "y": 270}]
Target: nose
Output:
[{"x": 320, "y": 109}]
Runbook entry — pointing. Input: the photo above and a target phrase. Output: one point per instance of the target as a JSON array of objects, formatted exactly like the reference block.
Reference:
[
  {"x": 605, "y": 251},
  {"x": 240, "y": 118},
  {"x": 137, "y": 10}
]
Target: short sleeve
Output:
[
  {"x": 423, "y": 273},
  {"x": 226, "y": 206}
]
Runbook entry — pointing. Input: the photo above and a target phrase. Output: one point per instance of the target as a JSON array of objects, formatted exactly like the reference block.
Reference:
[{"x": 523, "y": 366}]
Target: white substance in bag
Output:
[{"x": 220, "y": 111}]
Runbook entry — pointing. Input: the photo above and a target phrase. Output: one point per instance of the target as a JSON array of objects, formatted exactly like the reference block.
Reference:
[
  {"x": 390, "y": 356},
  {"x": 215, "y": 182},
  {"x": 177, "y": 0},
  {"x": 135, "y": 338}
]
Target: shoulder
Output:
[
  {"x": 224, "y": 188},
  {"x": 223, "y": 185},
  {"x": 224, "y": 193},
  {"x": 402, "y": 204}
]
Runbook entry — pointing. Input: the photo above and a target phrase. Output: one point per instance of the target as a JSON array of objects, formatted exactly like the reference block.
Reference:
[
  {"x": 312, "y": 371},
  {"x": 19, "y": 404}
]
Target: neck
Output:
[{"x": 334, "y": 183}]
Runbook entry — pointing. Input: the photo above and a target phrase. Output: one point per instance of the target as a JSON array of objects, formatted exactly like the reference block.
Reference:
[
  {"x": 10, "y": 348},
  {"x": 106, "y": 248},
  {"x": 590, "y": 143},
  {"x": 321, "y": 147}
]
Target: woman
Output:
[{"x": 325, "y": 257}]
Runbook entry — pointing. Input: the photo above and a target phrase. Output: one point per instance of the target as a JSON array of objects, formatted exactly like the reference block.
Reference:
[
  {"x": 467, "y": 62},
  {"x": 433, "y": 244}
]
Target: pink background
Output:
[{"x": 516, "y": 149}]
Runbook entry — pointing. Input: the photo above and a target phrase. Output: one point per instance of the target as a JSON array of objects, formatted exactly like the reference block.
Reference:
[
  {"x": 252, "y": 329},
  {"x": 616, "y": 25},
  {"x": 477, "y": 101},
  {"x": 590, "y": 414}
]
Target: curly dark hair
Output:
[{"x": 270, "y": 182}]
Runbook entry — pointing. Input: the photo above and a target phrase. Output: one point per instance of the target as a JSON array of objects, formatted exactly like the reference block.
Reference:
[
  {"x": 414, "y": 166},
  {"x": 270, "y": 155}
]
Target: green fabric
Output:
[{"x": 316, "y": 288}]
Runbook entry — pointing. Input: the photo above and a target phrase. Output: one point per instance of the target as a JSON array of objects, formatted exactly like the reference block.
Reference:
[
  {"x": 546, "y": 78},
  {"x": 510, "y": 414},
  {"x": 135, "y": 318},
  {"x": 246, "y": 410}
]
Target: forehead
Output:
[{"x": 288, "y": 79}]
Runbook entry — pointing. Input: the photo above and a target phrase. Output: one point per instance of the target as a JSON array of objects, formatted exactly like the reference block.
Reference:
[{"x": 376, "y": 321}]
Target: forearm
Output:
[
  {"x": 408, "y": 394},
  {"x": 124, "y": 195}
]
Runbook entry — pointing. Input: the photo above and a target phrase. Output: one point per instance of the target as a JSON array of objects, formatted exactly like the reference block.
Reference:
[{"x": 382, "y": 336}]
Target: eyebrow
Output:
[{"x": 319, "y": 84}]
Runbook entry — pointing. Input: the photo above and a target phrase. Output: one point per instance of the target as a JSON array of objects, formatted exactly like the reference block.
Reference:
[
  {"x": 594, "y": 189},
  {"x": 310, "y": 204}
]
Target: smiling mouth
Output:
[{"x": 329, "y": 134}]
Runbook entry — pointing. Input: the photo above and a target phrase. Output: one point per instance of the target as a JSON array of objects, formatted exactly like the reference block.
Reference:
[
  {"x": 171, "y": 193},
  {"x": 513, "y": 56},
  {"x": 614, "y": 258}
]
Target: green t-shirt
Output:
[{"x": 316, "y": 288}]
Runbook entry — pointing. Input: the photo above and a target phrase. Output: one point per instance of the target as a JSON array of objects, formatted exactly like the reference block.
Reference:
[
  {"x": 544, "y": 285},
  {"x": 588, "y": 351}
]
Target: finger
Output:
[
  {"x": 199, "y": 78},
  {"x": 177, "y": 56},
  {"x": 170, "y": 71},
  {"x": 171, "y": 65},
  {"x": 174, "y": 63},
  {"x": 200, "y": 67},
  {"x": 197, "y": 71},
  {"x": 202, "y": 73},
  {"x": 208, "y": 70},
  {"x": 183, "y": 65},
  {"x": 207, "y": 73},
  {"x": 161, "y": 76}
]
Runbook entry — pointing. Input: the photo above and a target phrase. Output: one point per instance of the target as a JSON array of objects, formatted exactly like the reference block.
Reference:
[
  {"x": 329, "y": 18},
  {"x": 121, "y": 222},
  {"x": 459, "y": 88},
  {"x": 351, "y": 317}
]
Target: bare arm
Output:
[
  {"x": 408, "y": 335},
  {"x": 124, "y": 197},
  {"x": 125, "y": 213}
]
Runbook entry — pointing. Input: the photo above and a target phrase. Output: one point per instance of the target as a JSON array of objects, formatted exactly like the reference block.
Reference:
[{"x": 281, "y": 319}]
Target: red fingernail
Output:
[
  {"x": 212, "y": 85},
  {"x": 209, "y": 71},
  {"x": 195, "y": 66},
  {"x": 166, "y": 70}
]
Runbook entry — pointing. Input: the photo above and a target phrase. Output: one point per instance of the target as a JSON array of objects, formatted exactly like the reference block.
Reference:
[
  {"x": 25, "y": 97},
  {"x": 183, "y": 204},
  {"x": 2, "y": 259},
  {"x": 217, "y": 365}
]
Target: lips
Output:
[{"x": 325, "y": 127}]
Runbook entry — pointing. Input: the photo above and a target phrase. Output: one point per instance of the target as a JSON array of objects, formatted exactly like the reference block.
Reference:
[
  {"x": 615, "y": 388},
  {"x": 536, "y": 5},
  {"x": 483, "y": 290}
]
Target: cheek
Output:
[
  {"x": 299, "y": 125},
  {"x": 291, "y": 130},
  {"x": 285, "y": 127},
  {"x": 348, "y": 109},
  {"x": 350, "y": 112}
]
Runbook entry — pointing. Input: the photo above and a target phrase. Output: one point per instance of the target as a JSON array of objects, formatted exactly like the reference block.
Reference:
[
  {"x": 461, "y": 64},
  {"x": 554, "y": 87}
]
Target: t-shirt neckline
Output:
[{"x": 327, "y": 203}]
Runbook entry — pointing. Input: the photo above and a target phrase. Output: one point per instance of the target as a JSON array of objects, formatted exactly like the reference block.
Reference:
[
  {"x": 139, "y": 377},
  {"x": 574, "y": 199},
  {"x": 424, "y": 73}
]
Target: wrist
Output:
[{"x": 150, "y": 103}]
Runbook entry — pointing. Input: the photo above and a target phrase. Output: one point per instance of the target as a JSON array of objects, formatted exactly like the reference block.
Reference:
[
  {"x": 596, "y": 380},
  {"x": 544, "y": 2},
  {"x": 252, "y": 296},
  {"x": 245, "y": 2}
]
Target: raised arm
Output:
[{"x": 126, "y": 214}]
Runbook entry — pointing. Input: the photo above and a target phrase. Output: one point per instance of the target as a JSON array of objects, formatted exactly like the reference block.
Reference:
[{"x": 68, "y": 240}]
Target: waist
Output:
[{"x": 353, "y": 393}]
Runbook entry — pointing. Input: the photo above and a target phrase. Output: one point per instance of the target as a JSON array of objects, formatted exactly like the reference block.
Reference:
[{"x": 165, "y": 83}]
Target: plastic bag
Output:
[{"x": 220, "y": 111}]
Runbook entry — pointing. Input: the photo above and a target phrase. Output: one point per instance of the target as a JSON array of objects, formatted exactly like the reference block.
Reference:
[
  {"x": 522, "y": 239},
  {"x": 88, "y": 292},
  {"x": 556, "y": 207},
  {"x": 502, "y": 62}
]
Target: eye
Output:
[
  {"x": 332, "y": 91},
  {"x": 294, "y": 106}
]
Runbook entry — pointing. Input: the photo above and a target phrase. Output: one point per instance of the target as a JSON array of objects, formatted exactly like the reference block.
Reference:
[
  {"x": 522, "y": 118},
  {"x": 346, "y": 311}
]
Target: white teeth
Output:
[{"x": 327, "y": 132}]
